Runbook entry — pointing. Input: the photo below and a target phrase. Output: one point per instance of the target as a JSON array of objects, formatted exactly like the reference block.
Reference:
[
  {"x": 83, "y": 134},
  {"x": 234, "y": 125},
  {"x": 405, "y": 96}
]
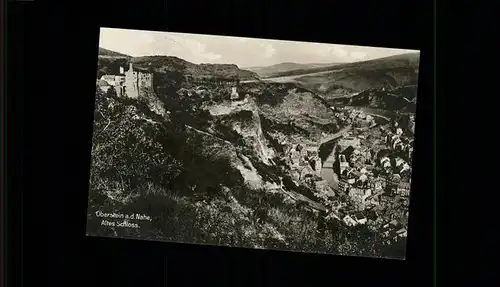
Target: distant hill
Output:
[
  {"x": 411, "y": 58},
  {"x": 344, "y": 79},
  {"x": 108, "y": 53},
  {"x": 276, "y": 70}
]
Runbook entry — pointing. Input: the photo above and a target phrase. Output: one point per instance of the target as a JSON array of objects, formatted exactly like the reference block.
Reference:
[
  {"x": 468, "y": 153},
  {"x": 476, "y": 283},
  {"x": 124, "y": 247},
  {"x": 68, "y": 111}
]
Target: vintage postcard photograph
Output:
[{"x": 253, "y": 143}]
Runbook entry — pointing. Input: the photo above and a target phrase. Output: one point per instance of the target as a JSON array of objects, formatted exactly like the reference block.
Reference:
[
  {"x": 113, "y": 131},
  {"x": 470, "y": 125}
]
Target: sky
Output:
[{"x": 244, "y": 52}]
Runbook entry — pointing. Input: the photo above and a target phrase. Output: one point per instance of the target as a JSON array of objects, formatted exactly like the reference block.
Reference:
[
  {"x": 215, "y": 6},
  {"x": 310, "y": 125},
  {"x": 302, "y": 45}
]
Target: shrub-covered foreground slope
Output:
[{"x": 214, "y": 172}]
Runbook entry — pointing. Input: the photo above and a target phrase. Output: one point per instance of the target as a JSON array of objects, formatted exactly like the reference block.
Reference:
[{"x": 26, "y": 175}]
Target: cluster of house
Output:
[
  {"x": 398, "y": 166},
  {"x": 397, "y": 141},
  {"x": 305, "y": 156},
  {"x": 306, "y": 167},
  {"x": 388, "y": 228},
  {"x": 354, "y": 160},
  {"x": 358, "y": 179},
  {"x": 373, "y": 196},
  {"x": 392, "y": 230},
  {"x": 354, "y": 117}
]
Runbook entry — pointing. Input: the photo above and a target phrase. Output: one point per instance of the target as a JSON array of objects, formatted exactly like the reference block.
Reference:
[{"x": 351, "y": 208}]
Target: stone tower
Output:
[
  {"x": 137, "y": 82},
  {"x": 234, "y": 93},
  {"x": 131, "y": 87}
]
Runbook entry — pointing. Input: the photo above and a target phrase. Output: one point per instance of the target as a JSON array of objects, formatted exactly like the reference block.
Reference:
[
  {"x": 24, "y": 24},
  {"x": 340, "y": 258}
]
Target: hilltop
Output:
[
  {"x": 109, "y": 62},
  {"x": 389, "y": 73},
  {"x": 283, "y": 68},
  {"x": 108, "y": 53},
  {"x": 407, "y": 59},
  {"x": 164, "y": 64}
]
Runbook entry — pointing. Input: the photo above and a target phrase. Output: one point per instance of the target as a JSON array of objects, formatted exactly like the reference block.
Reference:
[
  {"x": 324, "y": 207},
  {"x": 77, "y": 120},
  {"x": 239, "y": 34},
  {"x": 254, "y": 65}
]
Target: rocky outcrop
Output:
[{"x": 243, "y": 117}]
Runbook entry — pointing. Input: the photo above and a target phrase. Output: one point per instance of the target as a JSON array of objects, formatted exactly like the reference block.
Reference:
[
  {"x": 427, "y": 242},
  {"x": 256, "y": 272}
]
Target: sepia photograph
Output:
[{"x": 253, "y": 143}]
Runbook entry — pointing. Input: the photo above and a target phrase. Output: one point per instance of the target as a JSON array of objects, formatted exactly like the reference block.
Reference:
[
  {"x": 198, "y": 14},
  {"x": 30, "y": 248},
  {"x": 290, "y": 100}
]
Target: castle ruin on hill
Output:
[
  {"x": 130, "y": 83},
  {"x": 136, "y": 82}
]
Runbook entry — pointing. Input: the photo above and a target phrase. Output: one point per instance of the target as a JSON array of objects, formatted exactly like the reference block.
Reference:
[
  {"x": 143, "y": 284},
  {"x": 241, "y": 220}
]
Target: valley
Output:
[{"x": 253, "y": 161}]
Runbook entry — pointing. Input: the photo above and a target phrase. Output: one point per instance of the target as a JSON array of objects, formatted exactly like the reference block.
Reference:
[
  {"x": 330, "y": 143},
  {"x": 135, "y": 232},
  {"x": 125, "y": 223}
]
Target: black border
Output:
[
  {"x": 13, "y": 63},
  {"x": 98, "y": 261}
]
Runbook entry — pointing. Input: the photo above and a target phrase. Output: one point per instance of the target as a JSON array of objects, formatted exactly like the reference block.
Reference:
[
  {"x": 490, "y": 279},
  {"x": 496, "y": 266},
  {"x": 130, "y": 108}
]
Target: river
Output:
[{"x": 327, "y": 172}]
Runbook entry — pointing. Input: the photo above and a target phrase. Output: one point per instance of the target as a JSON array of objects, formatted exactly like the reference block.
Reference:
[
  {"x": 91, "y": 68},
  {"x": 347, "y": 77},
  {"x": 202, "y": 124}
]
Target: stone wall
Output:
[
  {"x": 131, "y": 87},
  {"x": 137, "y": 82}
]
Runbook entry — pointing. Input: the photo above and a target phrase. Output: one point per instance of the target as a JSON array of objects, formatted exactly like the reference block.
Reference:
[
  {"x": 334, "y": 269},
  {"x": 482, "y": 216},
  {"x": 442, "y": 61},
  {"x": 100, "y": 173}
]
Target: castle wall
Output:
[
  {"x": 131, "y": 86},
  {"x": 119, "y": 91},
  {"x": 137, "y": 83},
  {"x": 145, "y": 80}
]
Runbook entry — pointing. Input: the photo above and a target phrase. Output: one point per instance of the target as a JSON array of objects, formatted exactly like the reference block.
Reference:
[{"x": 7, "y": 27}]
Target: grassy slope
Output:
[{"x": 109, "y": 53}]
